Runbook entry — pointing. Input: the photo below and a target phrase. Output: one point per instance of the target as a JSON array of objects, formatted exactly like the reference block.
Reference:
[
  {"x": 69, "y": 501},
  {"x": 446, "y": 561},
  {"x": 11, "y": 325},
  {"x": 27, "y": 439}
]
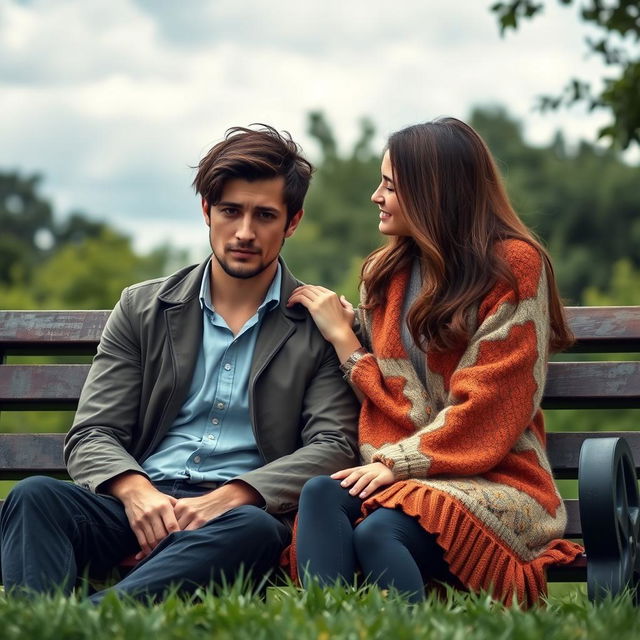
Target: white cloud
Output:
[{"x": 114, "y": 101}]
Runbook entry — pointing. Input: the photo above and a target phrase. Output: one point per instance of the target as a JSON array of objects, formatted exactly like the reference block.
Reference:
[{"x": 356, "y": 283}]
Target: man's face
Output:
[{"x": 249, "y": 225}]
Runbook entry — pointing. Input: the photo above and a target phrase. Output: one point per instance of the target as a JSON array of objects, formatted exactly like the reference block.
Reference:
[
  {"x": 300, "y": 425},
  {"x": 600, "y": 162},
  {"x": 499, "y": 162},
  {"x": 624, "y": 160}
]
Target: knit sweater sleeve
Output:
[{"x": 493, "y": 392}]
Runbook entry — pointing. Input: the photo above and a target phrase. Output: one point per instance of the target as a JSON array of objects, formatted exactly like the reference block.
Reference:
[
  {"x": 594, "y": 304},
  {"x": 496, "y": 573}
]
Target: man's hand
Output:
[
  {"x": 364, "y": 480},
  {"x": 192, "y": 513},
  {"x": 149, "y": 511}
]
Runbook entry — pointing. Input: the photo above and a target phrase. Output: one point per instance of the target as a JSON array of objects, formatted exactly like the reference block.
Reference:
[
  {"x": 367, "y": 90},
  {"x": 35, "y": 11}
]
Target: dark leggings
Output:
[{"x": 390, "y": 547}]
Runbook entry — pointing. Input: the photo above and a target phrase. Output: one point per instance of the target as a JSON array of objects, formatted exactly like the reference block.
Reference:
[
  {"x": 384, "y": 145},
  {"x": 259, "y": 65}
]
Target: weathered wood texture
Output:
[
  {"x": 570, "y": 385},
  {"x": 51, "y": 332},
  {"x": 605, "y": 329},
  {"x": 41, "y": 386},
  {"x": 25, "y": 454},
  {"x": 564, "y": 449},
  {"x": 592, "y": 385}
]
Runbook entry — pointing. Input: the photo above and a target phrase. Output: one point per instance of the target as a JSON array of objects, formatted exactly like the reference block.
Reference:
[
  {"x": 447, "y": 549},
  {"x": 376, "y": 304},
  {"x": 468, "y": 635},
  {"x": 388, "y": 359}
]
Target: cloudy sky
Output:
[{"x": 113, "y": 101}]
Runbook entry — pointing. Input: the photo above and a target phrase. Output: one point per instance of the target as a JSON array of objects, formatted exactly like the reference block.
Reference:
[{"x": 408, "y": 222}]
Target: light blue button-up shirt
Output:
[{"x": 211, "y": 439}]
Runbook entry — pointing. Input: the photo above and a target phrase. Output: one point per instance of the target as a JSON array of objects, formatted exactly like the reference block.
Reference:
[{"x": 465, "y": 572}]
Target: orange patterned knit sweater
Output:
[{"x": 467, "y": 447}]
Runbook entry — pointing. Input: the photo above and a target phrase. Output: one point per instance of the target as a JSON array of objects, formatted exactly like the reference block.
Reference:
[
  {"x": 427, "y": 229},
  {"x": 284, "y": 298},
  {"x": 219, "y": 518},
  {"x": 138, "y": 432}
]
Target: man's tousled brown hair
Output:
[
  {"x": 255, "y": 154},
  {"x": 458, "y": 211}
]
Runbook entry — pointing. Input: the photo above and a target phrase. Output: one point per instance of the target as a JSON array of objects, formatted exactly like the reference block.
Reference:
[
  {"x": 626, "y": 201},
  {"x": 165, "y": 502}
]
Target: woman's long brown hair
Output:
[{"x": 457, "y": 209}]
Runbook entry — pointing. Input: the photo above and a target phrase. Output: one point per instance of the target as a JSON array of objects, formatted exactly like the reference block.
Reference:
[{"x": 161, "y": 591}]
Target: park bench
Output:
[{"x": 606, "y": 515}]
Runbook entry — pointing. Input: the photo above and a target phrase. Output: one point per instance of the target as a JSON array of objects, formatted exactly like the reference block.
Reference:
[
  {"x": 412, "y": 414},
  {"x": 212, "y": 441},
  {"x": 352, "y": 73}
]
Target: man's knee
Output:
[
  {"x": 35, "y": 499},
  {"x": 30, "y": 491},
  {"x": 34, "y": 486},
  {"x": 258, "y": 527}
]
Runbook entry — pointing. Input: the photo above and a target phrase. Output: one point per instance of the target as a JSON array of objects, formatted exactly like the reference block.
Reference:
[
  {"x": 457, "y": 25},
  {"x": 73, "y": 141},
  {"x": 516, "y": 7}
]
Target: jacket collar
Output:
[{"x": 184, "y": 285}]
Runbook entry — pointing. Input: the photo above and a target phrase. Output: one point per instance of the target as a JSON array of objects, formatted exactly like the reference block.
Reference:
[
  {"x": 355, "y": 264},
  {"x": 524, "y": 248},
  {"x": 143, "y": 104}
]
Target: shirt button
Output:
[
  {"x": 211, "y": 437},
  {"x": 215, "y": 421},
  {"x": 197, "y": 459},
  {"x": 227, "y": 367},
  {"x": 220, "y": 405}
]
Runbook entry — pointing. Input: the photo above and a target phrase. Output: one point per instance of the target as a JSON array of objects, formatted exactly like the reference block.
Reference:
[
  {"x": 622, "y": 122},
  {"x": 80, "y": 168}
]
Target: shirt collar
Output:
[{"x": 271, "y": 299}]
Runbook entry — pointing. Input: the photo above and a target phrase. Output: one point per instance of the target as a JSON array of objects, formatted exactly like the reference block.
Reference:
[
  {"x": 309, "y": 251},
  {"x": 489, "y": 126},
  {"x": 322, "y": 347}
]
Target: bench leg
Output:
[{"x": 610, "y": 515}]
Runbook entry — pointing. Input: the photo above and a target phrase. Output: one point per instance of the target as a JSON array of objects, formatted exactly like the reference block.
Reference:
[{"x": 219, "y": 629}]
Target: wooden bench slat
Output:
[
  {"x": 592, "y": 385},
  {"x": 23, "y": 454},
  {"x": 51, "y": 332},
  {"x": 564, "y": 449},
  {"x": 574, "y": 525},
  {"x": 608, "y": 329},
  {"x": 574, "y": 572},
  {"x": 569, "y": 385},
  {"x": 42, "y": 386},
  {"x": 605, "y": 329}
]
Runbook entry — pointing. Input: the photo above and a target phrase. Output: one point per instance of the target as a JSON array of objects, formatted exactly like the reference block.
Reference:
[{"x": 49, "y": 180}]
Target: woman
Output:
[{"x": 458, "y": 314}]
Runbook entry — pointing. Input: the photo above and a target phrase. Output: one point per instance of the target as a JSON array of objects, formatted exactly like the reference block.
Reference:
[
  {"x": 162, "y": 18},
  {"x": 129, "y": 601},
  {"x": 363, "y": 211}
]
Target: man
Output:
[{"x": 207, "y": 407}]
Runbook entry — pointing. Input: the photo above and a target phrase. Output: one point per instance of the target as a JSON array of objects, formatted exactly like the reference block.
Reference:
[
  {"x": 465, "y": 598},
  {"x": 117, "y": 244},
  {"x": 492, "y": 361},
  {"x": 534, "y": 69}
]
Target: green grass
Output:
[{"x": 318, "y": 614}]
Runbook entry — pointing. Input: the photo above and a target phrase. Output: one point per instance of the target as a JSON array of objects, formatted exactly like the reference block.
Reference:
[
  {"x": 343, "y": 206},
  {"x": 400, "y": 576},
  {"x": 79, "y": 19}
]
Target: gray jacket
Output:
[{"x": 303, "y": 414}]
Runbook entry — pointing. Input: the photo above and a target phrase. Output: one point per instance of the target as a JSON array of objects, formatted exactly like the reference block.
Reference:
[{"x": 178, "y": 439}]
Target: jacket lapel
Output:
[
  {"x": 277, "y": 327},
  {"x": 183, "y": 318}
]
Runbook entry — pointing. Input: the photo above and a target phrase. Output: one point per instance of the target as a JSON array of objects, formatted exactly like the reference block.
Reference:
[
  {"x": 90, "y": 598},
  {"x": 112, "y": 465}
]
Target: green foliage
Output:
[
  {"x": 315, "y": 614},
  {"x": 87, "y": 275},
  {"x": 584, "y": 204},
  {"x": 617, "y": 25},
  {"x": 340, "y": 227},
  {"x": 623, "y": 290},
  {"x": 78, "y": 263},
  {"x": 24, "y": 218}
]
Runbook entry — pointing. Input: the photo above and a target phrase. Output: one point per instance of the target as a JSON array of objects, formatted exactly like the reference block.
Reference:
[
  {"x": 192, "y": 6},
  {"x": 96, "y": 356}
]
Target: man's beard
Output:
[{"x": 240, "y": 273}]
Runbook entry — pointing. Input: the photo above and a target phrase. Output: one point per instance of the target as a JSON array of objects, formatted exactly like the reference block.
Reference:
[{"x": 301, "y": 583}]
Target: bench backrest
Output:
[{"x": 570, "y": 385}]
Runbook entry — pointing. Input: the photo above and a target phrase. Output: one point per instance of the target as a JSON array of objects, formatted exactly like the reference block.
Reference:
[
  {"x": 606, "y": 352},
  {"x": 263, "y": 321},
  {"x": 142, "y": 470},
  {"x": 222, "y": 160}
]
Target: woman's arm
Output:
[
  {"x": 333, "y": 315},
  {"x": 493, "y": 394}
]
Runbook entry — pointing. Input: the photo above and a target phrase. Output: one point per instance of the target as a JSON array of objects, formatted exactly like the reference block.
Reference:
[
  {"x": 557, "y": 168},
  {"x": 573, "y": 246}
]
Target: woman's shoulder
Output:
[
  {"x": 526, "y": 264},
  {"x": 520, "y": 255}
]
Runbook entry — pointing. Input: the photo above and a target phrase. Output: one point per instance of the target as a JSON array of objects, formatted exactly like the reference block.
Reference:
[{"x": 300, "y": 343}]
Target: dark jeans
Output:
[
  {"x": 390, "y": 547},
  {"x": 52, "y": 531}
]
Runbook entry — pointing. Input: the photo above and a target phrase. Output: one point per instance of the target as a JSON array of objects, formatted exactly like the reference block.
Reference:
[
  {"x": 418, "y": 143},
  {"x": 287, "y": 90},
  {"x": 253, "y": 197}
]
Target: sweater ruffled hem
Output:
[{"x": 475, "y": 555}]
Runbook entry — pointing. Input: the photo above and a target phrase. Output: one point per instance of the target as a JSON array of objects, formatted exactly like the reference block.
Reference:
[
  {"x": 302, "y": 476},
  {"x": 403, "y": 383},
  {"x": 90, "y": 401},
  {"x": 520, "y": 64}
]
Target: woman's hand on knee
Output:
[{"x": 365, "y": 479}]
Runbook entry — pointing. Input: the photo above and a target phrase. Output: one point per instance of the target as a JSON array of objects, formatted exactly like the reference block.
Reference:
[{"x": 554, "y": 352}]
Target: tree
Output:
[
  {"x": 340, "y": 226},
  {"x": 584, "y": 204},
  {"x": 74, "y": 263},
  {"x": 624, "y": 288},
  {"x": 618, "y": 25},
  {"x": 30, "y": 232},
  {"x": 26, "y": 220}
]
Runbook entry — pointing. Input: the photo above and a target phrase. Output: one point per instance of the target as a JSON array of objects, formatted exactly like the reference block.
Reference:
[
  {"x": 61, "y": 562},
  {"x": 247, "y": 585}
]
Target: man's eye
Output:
[
  {"x": 228, "y": 211},
  {"x": 267, "y": 215}
]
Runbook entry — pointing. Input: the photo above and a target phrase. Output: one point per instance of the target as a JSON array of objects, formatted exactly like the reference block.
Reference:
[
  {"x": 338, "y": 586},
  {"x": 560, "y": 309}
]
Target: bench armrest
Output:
[{"x": 610, "y": 515}]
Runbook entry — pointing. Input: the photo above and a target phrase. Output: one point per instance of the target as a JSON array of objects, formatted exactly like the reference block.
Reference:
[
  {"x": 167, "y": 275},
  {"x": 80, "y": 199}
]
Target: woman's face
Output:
[{"x": 392, "y": 218}]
